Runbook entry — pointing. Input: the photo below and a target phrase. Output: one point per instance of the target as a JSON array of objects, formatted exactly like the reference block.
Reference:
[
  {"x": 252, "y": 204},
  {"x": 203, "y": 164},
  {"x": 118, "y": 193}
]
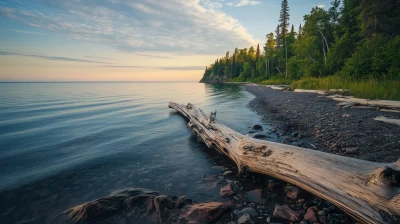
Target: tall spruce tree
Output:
[
  {"x": 284, "y": 21},
  {"x": 258, "y": 53}
]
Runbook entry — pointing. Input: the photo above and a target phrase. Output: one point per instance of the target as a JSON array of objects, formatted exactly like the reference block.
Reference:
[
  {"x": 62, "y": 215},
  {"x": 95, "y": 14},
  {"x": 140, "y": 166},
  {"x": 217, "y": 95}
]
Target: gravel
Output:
[{"x": 324, "y": 126}]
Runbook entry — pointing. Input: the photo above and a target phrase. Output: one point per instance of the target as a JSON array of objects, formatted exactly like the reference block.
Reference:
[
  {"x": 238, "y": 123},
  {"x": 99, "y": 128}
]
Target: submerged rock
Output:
[
  {"x": 142, "y": 206},
  {"x": 257, "y": 127}
]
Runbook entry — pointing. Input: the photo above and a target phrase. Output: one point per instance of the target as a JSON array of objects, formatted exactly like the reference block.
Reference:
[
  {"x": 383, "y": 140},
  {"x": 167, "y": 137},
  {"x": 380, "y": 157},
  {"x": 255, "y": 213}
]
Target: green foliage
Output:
[
  {"x": 369, "y": 89},
  {"x": 354, "y": 44}
]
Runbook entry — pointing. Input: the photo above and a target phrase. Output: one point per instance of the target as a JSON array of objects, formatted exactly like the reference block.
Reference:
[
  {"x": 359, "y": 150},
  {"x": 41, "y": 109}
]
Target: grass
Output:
[{"x": 368, "y": 89}]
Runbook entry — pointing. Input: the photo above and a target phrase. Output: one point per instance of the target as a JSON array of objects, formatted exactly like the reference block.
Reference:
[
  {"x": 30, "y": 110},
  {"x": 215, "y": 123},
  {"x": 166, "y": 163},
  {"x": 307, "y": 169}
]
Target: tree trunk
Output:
[{"x": 368, "y": 191}]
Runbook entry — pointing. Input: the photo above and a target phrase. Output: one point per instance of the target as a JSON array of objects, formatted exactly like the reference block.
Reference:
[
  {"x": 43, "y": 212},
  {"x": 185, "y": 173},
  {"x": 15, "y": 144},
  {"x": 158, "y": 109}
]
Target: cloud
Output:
[
  {"x": 52, "y": 58},
  {"x": 243, "y": 3},
  {"x": 321, "y": 6},
  {"x": 154, "y": 56},
  {"x": 173, "y": 68},
  {"x": 179, "y": 26}
]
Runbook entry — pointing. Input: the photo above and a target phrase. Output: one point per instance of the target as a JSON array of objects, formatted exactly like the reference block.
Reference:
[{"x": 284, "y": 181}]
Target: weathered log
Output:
[
  {"x": 368, "y": 191},
  {"x": 387, "y": 104},
  {"x": 320, "y": 92},
  {"x": 388, "y": 120}
]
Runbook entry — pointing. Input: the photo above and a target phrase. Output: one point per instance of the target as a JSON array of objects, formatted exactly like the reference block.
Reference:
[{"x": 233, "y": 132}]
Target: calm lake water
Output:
[{"x": 62, "y": 144}]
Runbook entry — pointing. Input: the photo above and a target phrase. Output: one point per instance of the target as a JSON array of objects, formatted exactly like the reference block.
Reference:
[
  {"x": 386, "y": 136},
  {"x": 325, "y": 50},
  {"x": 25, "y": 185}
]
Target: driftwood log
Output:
[{"x": 368, "y": 191}]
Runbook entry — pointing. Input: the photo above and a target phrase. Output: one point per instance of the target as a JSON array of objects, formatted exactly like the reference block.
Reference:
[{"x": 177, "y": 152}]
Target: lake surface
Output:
[{"x": 62, "y": 144}]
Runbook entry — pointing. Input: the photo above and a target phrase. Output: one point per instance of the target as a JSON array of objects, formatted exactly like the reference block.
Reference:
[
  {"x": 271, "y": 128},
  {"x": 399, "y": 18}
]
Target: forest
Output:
[{"x": 353, "y": 44}]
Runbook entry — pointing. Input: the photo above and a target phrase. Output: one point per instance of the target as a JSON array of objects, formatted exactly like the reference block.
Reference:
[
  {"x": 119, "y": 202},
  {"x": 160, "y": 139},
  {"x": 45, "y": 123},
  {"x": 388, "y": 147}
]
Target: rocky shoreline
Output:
[
  {"x": 325, "y": 126},
  {"x": 247, "y": 198}
]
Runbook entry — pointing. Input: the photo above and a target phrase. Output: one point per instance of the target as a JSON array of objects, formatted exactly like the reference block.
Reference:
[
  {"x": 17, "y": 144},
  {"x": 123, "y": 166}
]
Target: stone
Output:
[
  {"x": 257, "y": 127},
  {"x": 204, "y": 213},
  {"x": 249, "y": 210},
  {"x": 226, "y": 191},
  {"x": 227, "y": 173},
  {"x": 254, "y": 196},
  {"x": 259, "y": 136},
  {"x": 292, "y": 192},
  {"x": 245, "y": 219},
  {"x": 286, "y": 213},
  {"x": 295, "y": 134},
  {"x": 322, "y": 213},
  {"x": 311, "y": 215}
]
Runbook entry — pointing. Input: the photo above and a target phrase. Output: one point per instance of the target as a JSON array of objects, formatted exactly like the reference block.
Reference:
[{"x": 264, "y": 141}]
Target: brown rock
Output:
[
  {"x": 286, "y": 213},
  {"x": 292, "y": 192},
  {"x": 254, "y": 196},
  {"x": 226, "y": 191},
  {"x": 204, "y": 213},
  {"x": 311, "y": 215}
]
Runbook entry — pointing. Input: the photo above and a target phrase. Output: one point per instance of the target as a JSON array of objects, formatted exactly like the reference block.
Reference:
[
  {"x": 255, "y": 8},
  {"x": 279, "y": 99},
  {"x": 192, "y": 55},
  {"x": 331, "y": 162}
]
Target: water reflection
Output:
[{"x": 63, "y": 144}]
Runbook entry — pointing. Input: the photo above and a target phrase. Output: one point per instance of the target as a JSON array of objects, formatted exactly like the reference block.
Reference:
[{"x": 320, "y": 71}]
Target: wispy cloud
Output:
[
  {"x": 174, "y": 68},
  {"x": 321, "y": 6},
  {"x": 181, "y": 26},
  {"x": 154, "y": 56},
  {"x": 242, "y": 3},
  {"x": 52, "y": 58}
]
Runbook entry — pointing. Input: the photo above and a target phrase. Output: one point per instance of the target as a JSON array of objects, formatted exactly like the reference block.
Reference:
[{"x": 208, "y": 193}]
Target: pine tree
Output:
[
  {"x": 300, "y": 32},
  {"x": 278, "y": 37},
  {"x": 284, "y": 20},
  {"x": 292, "y": 30},
  {"x": 258, "y": 53}
]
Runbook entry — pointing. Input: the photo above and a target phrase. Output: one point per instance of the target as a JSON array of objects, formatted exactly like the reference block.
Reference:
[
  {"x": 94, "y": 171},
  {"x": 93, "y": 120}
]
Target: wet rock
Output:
[
  {"x": 227, "y": 173},
  {"x": 204, "y": 213},
  {"x": 254, "y": 196},
  {"x": 322, "y": 213},
  {"x": 245, "y": 219},
  {"x": 258, "y": 136},
  {"x": 295, "y": 134},
  {"x": 226, "y": 191},
  {"x": 257, "y": 127},
  {"x": 292, "y": 192},
  {"x": 286, "y": 213},
  {"x": 249, "y": 210},
  {"x": 311, "y": 215}
]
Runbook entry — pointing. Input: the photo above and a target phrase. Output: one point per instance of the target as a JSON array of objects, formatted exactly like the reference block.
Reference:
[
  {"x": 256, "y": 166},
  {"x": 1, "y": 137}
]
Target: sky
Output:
[{"x": 130, "y": 40}]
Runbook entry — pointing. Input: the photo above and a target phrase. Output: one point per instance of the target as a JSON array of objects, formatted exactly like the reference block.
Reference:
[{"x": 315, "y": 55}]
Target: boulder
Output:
[{"x": 286, "y": 213}]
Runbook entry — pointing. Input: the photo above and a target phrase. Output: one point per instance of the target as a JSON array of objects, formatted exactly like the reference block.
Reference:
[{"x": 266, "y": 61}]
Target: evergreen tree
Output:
[
  {"x": 284, "y": 21},
  {"x": 278, "y": 37},
  {"x": 300, "y": 32},
  {"x": 258, "y": 53}
]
